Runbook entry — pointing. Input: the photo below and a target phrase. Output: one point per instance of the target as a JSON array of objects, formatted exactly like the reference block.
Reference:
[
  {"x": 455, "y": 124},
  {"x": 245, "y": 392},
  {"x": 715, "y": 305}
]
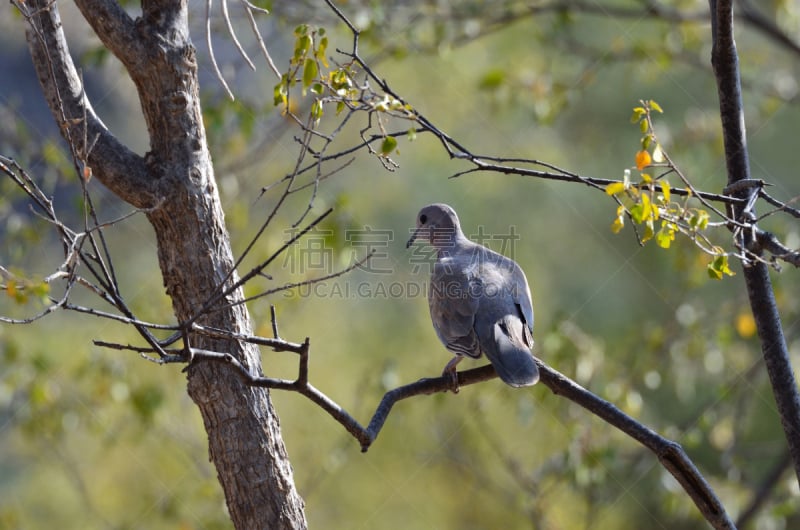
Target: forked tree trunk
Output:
[{"x": 176, "y": 179}]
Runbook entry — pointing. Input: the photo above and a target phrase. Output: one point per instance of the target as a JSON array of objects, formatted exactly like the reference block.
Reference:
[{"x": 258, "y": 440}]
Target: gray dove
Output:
[{"x": 479, "y": 300}]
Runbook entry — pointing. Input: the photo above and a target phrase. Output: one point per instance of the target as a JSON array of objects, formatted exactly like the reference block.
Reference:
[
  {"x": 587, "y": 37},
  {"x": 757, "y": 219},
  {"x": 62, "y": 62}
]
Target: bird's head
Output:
[{"x": 438, "y": 224}]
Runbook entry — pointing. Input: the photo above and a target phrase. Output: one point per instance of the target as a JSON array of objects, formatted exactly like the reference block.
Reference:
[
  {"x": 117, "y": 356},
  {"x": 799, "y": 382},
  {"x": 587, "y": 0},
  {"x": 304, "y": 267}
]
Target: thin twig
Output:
[
  {"x": 232, "y": 33},
  {"x": 211, "y": 55}
]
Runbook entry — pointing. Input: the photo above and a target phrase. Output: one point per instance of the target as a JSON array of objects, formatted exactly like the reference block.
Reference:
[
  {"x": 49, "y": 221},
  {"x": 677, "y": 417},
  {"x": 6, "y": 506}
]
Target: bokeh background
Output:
[{"x": 92, "y": 438}]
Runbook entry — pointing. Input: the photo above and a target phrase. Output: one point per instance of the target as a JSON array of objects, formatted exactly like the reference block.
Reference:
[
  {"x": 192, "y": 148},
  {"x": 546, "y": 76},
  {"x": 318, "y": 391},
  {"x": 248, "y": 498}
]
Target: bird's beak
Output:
[{"x": 413, "y": 236}]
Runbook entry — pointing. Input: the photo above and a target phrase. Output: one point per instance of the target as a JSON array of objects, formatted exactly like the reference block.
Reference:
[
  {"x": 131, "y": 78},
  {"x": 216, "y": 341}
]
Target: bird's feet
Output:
[{"x": 450, "y": 371}]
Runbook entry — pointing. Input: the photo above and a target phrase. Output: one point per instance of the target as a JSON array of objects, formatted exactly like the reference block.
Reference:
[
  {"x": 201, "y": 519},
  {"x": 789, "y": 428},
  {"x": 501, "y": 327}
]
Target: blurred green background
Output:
[{"x": 92, "y": 438}]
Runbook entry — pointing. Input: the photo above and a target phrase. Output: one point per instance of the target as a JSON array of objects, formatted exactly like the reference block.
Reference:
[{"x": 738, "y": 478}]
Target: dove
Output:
[{"x": 479, "y": 300}]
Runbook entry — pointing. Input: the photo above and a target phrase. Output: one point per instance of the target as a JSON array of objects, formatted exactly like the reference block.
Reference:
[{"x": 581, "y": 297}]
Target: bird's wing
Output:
[
  {"x": 453, "y": 307},
  {"x": 504, "y": 320},
  {"x": 521, "y": 294}
]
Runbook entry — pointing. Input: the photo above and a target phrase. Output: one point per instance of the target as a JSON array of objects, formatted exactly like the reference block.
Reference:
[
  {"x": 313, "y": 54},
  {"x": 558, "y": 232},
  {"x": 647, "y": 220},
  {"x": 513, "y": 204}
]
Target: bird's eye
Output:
[{"x": 423, "y": 219}]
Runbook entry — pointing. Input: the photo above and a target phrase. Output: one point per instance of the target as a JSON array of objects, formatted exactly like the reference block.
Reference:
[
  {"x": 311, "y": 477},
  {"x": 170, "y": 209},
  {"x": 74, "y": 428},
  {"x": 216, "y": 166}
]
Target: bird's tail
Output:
[{"x": 511, "y": 357}]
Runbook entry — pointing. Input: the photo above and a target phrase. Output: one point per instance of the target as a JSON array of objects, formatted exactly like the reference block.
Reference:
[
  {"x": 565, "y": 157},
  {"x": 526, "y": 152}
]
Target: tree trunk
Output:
[
  {"x": 725, "y": 60},
  {"x": 176, "y": 180}
]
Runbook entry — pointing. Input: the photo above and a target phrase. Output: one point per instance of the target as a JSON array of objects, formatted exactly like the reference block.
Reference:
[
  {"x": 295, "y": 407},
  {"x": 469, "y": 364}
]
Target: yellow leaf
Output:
[
  {"x": 745, "y": 325},
  {"x": 646, "y": 207},
  {"x": 647, "y": 178},
  {"x": 615, "y": 187},
  {"x": 655, "y": 106},
  {"x": 655, "y": 210},
  {"x": 648, "y": 231},
  {"x": 638, "y": 114},
  {"x": 619, "y": 222},
  {"x": 665, "y": 189},
  {"x": 642, "y": 160}
]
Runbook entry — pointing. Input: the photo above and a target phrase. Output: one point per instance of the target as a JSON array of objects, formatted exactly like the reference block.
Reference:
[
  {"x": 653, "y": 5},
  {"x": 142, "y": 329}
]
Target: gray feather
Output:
[{"x": 479, "y": 300}]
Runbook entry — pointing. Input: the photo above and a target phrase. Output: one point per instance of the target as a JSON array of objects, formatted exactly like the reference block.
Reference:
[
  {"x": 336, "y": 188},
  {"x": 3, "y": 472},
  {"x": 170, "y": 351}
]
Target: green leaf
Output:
[
  {"x": 719, "y": 268},
  {"x": 302, "y": 46},
  {"x": 280, "y": 92},
  {"x": 316, "y": 110},
  {"x": 309, "y": 72},
  {"x": 637, "y": 213},
  {"x": 699, "y": 220},
  {"x": 389, "y": 144},
  {"x": 323, "y": 46},
  {"x": 340, "y": 81},
  {"x": 492, "y": 79},
  {"x": 644, "y": 210},
  {"x": 666, "y": 235}
]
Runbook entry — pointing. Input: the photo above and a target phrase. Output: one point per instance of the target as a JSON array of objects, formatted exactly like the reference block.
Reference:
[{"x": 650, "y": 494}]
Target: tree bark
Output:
[{"x": 176, "y": 181}]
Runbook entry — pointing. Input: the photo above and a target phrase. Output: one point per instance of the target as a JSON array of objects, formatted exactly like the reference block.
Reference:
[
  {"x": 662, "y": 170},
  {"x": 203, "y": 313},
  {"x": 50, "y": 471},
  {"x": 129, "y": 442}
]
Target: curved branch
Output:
[
  {"x": 669, "y": 453},
  {"x": 120, "y": 169}
]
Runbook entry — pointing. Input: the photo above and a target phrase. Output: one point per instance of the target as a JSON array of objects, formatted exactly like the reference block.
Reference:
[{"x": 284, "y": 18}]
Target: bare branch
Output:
[
  {"x": 780, "y": 206},
  {"x": 258, "y": 268},
  {"x": 277, "y": 343},
  {"x": 249, "y": 8},
  {"x": 211, "y": 54},
  {"x": 232, "y": 33},
  {"x": 311, "y": 281},
  {"x": 768, "y": 242},
  {"x": 669, "y": 453}
]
